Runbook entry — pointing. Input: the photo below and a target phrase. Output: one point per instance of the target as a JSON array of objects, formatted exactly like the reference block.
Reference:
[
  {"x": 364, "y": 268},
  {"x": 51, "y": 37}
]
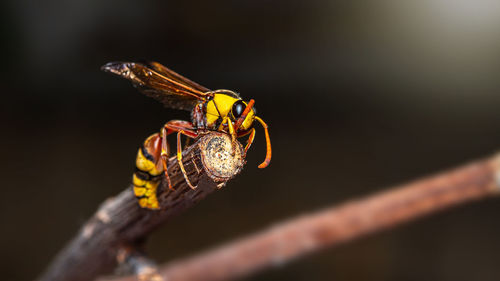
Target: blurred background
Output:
[{"x": 359, "y": 96}]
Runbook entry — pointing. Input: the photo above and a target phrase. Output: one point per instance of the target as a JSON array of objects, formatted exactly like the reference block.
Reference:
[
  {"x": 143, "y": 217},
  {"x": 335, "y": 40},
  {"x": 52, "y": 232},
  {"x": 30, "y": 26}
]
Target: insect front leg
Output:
[
  {"x": 250, "y": 140},
  {"x": 227, "y": 121},
  {"x": 232, "y": 131}
]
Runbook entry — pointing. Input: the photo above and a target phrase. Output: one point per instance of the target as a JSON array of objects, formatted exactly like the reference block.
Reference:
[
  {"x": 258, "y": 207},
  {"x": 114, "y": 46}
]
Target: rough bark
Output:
[
  {"x": 210, "y": 162},
  {"x": 309, "y": 233}
]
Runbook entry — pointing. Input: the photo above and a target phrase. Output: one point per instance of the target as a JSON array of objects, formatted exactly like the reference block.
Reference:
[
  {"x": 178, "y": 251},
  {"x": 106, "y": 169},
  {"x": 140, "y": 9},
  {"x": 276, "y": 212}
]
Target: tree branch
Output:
[
  {"x": 329, "y": 227},
  {"x": 120, "y": 222}
]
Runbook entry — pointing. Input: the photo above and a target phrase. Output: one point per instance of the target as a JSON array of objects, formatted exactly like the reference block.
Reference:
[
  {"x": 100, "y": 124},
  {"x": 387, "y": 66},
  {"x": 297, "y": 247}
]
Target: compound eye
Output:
[{"x": 238, "y": 108}]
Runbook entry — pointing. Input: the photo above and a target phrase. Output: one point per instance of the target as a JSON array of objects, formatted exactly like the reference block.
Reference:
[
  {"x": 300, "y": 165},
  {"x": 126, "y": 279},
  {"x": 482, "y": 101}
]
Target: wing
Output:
[
  {"x": 160, "y": 83},
  {"x": 167, "y": 72}
]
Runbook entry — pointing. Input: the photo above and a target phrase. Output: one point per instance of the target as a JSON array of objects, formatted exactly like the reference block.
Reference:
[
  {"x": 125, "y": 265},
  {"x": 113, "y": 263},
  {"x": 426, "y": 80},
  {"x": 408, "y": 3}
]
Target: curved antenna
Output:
[{"x": 268, "y": 144}]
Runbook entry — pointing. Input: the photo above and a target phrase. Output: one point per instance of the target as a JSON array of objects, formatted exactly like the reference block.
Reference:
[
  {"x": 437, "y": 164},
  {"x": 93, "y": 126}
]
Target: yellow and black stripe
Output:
[{"x": 147, "y": 176}]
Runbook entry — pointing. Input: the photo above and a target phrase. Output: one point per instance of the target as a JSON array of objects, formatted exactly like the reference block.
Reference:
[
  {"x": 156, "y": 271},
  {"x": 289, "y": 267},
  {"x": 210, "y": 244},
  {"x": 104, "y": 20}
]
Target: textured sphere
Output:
[{"x": 221, "y": 158}]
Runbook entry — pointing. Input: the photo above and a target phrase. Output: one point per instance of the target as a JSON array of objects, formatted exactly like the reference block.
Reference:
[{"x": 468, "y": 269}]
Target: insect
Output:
[{"x": 219, "y": 110}]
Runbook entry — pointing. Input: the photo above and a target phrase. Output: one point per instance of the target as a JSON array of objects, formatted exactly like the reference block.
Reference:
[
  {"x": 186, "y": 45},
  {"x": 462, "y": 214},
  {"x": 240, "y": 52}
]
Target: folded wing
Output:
[{"x": 159, "y": 82}]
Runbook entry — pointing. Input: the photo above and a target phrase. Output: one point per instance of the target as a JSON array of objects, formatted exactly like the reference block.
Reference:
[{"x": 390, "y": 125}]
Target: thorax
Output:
[{"x": 218, "y": 108}]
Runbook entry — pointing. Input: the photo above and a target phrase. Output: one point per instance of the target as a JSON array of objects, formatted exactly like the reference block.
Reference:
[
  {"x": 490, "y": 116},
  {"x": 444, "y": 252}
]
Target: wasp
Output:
[{"x": 219, "y": 110}]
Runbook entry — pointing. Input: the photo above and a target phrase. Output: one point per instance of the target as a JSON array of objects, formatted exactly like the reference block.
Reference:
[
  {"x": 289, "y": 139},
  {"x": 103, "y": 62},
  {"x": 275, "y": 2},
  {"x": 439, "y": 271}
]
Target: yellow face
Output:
[
  {"x": 224, "y": 111},
  {"x": 228, "y": 106}
]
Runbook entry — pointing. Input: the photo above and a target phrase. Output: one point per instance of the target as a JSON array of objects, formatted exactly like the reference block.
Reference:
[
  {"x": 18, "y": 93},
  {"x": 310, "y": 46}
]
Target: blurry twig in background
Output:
[
  {"x": 121, "y": 222},
  {"x": 313, "y": 232},
  {"x": 132, "y": 261}
]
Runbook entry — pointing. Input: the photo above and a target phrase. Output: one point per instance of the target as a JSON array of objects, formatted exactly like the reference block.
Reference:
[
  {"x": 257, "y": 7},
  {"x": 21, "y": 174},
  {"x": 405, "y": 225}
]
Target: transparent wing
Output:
[
  {"x": 167, "y": 72},
  {"x": 160, "y": 83}
]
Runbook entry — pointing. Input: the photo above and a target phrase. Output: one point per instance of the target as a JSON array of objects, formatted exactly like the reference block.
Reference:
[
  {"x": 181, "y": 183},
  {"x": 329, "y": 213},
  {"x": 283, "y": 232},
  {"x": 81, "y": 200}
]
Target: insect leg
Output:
[
  {"x": 250, "y": 140},
  {"x": 170, "y": 127},
  {"x": 184, "y": 128},
  {"x": 179, "y": 159},
  {"x": 232, "y": 132},
  {"x": 221, "y": 126},
  {"x": 179, "y": 125},
  {"x": 231, "y": 129},
  {"x": 165, "y": 149}
]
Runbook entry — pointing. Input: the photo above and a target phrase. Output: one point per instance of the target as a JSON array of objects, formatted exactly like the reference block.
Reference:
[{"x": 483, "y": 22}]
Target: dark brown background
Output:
[{"x": 360, "y": 95}]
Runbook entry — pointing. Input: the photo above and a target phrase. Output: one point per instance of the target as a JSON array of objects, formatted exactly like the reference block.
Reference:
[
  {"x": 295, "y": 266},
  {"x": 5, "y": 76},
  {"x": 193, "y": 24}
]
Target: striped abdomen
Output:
[{"x": 149, "y": 168}]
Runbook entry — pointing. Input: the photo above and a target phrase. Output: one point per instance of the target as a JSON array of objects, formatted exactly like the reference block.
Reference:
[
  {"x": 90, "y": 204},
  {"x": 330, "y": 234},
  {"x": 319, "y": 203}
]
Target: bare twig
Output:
[
  {"x": 134, "y": 262},
  {"x": 309, "y": 233},
  {"x": 209, "y": 162}
]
